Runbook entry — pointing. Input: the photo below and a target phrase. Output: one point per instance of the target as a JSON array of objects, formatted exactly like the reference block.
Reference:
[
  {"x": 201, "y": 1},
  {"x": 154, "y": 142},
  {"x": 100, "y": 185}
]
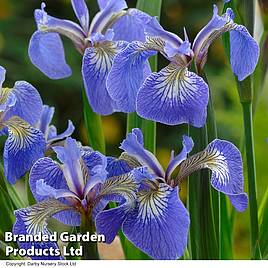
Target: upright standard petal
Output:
[
  {"x": 174, "y": 96},
  {"x": 127, "y": 74},
  {"x": 134, "y": 148},
  {"x": 47, "y": 54},
  {"x": 45, "y": 119},
  {"x": 130, "y": 26},
  {"x": 102, "y": 3},
  {"x": 225, "y": 162},
  {"x": 243, "y": 46},
  {"x": 53, "y": 136},
  {"x": 28, "y": 104},
  {"x": 2, "y": 75},
  {"x": 71, "y": 157},
  {"x": 97, "y": 63},
  {"x": 50, "y": 173},
  {"x": 23, "y": 147},
  {"x": 154, "y": 29},
  {"x": 81, "y": 12},
  {"x": 94, "y": 170},
  {"x": 105, "y": 18},
  {"x": 32, "y": 221},
  {"x": 187, "y": 144}
]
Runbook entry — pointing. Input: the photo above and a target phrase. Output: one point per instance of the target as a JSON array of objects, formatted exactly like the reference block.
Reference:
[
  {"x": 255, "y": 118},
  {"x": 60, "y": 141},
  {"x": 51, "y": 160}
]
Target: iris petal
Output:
[
  {"x": 116, "y": 167},
  {"x": 67, "y": 133},
  {"x": 47, "y": 54},
  {"x": 102, "y": 3},
  {"x": 97, "y": 63},
  {"x": 7, "y": 100},
  {"x": 2, "y": 75},
  {"x": 71, "y": 157},
  {"x": 127, "y": 75},
  {"x": 109, "y": 222},
  {"x": 239, "y": 201},
  {"x": 225, "y": 162},
  {"x": 28, "y": 104},
  {"x": 45, "y": 119},
  {"x": 243, "y": 46},
  {"x": 49, "y": 171},
  {"x": 23, "y": 147},
  {"x": 96, "y": 164},
  {"x": 46, "y": 23},
  {"x": 174, "y": 96},
  {"x": 123, "y": 186},
  {"x": 81, "y": 12},
  {"x": 134, "y": 148},
  {"x": 130, "y": 26},
  {"x": 154, "y": 29},
  {"x": 187, "y": 148},
  {"x": 33, "y": 220},
  {"x": 102, "y": 18},
  {"x": 159, "y": 224}
]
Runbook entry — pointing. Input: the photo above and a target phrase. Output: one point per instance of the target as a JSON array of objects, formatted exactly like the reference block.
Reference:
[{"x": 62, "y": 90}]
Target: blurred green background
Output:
[{"x": 16, "y": 26}]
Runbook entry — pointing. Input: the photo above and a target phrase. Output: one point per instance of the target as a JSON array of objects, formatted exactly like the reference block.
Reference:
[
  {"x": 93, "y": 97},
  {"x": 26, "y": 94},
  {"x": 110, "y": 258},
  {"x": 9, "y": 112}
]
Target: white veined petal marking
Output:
[
  {"x": 123, "y": 185},
  {"x": 35, "y": 217},
  {"x": 176, "y": 83},
  {"x": 4, "y": 93},
  {"x": 103, "y": 56},
  {"x": 153, "y": 203},
  {"x": 22, "y": 134},
  {"x": 210, "y": 158}
]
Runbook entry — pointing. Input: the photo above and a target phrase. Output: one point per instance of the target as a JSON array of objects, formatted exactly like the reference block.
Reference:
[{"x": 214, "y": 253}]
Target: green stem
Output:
[
  {"x": 251, "y": 170},
  {"x": 93, "y": 125},
  {"x": 194, "y": 196},
  {"x": 133, "y": 121},
  {"x": 90, "y": 249}
]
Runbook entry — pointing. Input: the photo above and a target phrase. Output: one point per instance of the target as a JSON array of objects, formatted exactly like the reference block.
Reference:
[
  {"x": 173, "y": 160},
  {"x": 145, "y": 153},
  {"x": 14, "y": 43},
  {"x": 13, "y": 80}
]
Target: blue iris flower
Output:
[
  {"x": 98, "y": 42},
  {"x": 174, "y": 95},
  {"x": 50, "y": 131},
  {"x": 157, "y": 221},
  {"x": 76, "y": 184},
  {"x": 20, "y": 109}
]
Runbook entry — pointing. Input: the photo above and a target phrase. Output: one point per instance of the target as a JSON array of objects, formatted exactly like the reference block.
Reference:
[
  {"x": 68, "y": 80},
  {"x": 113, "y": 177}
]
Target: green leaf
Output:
[
  {"x": 3, "y": 256},
  {"x": 226, "y": 248},
  {"x": 7, "y": 211},
  {"x": 10, "y": 190},
  {"x": 30, "y": 197},
  {"x": 93, "y": 125},
  {"x": 251, "y": 171},
  {"x": 203, "y": 240},
  {"x": 263, "y": 220}
]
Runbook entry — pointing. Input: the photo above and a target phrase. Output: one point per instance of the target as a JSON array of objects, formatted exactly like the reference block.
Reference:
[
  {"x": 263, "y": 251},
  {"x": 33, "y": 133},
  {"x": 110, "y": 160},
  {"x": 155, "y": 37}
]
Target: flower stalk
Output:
[
  {"x": 90, "y": 249},
  {"x": 251, "y": 169},
  {"x": 246, "y": 98}
]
